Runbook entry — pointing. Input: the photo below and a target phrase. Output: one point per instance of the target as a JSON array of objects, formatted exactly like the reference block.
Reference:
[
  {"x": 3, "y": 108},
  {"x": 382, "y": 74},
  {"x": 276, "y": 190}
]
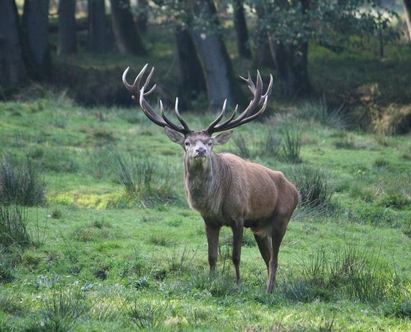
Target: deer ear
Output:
[
  {"x": 222, "y": 138},
  {"x": 174, "y": 136}
]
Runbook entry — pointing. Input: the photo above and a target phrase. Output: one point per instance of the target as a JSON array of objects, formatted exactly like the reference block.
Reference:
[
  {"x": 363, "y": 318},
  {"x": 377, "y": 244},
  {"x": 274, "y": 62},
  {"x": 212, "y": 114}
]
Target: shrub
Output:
[
  {"x": 395, "y": 199},
  {"x": 348, "y": 273},
  {"x": 21, "y": 184},
  {"x": 320, "y": 112},
  {"x": 6, "y": 269},
  {"x": 143, "y": 178},
  {"x": 291, "y": 146},
  {"x": 271, "y": 144},
  {"x": 59, "y": 160},
  {"x": 242, "y": 146},
  {"x": 13, "y": 228},
  {"x": 400, "y": 309},
  {"x": 313, "y": 186},
  {"x": 61, "y": 311},
  {"x": 145, "y": 315}
]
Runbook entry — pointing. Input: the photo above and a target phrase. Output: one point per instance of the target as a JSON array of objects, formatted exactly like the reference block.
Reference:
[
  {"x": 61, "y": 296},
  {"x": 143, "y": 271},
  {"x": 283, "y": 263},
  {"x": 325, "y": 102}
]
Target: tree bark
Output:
[
  {"x": 216, "y": 63},
  {"x": 291, "y": 60},
  {"x": 67, "y": 40},
  {"x": 35, "y": 38},
  {"x": 125, "y": 31},
  {"x": 12, "y": 67},
  {"x": 191, "y": 81},
  {"x": 142, "y": 17},
  {"x": 97, "y": 26},
  {"x": 291, "y": 64},
  {"x": 407, "y": 12},
  {"x": 262, "y": 54},
  {"x": 240, "y": 25}
]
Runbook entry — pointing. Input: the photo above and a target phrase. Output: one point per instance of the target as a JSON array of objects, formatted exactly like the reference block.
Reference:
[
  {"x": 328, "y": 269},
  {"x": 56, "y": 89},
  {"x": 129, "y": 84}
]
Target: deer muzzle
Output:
[{"x": 200, "y": 153}]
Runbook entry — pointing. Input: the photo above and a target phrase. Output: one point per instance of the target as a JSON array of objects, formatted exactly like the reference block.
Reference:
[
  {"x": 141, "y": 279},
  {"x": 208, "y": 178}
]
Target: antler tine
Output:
[
  {"x": 229, "y": 119},
  {"x": 269, "y": 88},
  {"x": 179, "y": 117},
  {"x": 140, "y": 93},
  {"x": 217, "y": 119},
  {"x": 124, "y": 79},
  {"x": 149, "y": 112},
  {"x": 182, "y": 129},
  {"x": 247, "y": 115}
]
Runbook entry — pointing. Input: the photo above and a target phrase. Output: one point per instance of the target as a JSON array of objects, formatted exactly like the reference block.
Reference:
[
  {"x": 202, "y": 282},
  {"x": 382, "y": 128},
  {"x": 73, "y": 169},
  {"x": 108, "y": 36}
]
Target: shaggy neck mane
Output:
[{"x": 204, "y": 184}]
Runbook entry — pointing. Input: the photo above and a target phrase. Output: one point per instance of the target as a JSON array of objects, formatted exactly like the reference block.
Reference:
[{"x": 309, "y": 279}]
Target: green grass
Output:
[
  {"x": 105, "y": 261},
  {"x": 114, "y": 246}
]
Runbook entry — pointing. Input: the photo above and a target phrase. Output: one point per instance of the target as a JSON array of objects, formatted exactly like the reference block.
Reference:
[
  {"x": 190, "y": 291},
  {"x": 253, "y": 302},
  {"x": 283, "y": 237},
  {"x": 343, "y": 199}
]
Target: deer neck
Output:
[
  {"x": 201, "y": 170},
  {"x": 202, "y": 183}
]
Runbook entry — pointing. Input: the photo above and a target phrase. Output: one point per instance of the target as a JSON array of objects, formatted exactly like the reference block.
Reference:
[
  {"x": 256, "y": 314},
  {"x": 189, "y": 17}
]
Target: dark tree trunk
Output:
[
  {"x": 35, "y": 38},
  {"x": 67, "y": 40},
  {"x": 142, "y": 17},
  {"x": 217, "y": 66},
  {"x": 262, "y": 54},
  {"x": 407, "y": 12},
  {"x": 97, "y": 26},
  {"x": 291, "y": 60},
  {"x": 125, "y": 31},
  {"x": 12, "y": 67},
  {"x": 291, "y": 64},
  {"x": 191, "y": 81},
  {"x": 240, "y": 25}
]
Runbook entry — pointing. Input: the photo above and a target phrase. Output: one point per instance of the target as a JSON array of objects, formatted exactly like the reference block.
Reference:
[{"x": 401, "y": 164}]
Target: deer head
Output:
[{"x": 198, "y": 144}]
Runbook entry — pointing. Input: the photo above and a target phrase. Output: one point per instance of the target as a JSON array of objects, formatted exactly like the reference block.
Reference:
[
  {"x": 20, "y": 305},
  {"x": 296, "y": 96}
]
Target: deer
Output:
[{"x": 225, "y": 189}]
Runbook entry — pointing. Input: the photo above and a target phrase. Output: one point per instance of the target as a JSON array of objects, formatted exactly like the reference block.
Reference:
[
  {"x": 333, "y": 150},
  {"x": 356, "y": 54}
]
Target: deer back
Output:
[{"x": 233, "y": 188}]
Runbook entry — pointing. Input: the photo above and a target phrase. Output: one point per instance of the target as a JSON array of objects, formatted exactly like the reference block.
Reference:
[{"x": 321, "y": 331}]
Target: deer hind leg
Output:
[
  {"x": 264, "y": 245},
  {"x": 276, "y": 238},
  {"x": 212, "y": 233}
]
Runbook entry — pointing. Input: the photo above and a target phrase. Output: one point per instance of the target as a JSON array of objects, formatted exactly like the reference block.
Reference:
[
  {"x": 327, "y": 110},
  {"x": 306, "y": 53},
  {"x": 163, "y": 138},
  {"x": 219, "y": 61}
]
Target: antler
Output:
[
  {"x": 140, "y": 94},
  {"x": 247, "y": 115}
]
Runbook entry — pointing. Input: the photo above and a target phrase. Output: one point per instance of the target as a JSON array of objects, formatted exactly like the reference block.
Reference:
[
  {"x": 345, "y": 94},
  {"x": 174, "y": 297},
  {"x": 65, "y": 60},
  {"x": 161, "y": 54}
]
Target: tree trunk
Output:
[
  {"x": 217, "y": 66},
  {"x": 407, "y": 12},
  {"x": 262, "y": 54},
  {"x": 12, "y": 67},
  {"x": 291, "y": 64},
  {"x": 35, "y": 37},
  {"x": 240, "y": 25},
  {"x": 191, "y": 81},
  {"x": 125, "y": 31},
  {"x": 97, "y": 26},
  {"x": 291, "y": 60},
  {"x": 142, "y": 17},
  {"x": 67, "y": 40}
]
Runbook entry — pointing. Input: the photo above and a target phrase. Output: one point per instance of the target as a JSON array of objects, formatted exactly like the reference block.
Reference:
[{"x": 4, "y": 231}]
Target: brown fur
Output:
[
  {"x": 229, "y": 191},
  {"x": 225, "y": 189}
]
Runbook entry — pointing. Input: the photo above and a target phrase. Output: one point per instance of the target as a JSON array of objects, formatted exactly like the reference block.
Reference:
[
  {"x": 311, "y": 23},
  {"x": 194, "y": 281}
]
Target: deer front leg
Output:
[
  {"x": 238, "y": 230},
  {"x": 212, "y": 233}
]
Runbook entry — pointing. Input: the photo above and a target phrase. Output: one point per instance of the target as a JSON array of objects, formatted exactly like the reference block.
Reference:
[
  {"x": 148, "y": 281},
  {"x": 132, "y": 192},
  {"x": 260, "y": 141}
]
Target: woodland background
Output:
[{"x": 67, "y": 45}]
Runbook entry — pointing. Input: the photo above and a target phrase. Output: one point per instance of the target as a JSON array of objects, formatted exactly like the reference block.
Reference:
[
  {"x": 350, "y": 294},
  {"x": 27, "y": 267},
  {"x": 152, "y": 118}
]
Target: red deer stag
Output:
[{"x": 225, "y": 189}]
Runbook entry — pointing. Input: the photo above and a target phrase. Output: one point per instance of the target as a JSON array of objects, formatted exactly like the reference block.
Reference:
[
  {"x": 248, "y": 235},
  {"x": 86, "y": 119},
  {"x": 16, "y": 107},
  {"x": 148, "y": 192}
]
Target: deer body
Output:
[
  {"x": 225, "y": 189},
  {"x": 232, "y": 187}
]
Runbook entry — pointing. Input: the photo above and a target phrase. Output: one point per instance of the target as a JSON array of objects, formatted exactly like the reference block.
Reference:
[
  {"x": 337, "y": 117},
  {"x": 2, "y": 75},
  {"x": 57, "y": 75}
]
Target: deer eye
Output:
[
  {"x": 209, "y": 143},
  {"x": 187, "y": 144}
]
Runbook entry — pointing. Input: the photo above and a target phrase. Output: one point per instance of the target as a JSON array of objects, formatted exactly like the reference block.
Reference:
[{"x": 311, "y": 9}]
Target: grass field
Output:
[
  {"x": 96, "y": 235},
  {"x": 113, "y": 245}
]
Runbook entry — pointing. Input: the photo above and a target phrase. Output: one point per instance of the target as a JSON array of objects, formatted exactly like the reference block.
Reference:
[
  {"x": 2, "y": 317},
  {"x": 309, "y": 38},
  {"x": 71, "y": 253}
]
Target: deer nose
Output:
[{"x": 200, "y": 151}]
